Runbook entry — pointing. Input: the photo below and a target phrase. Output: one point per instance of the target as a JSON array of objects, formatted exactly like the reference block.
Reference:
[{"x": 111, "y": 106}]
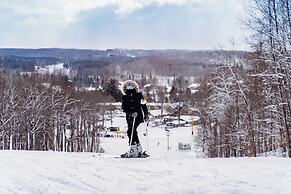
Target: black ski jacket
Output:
[{"x": 132, "y": 103}]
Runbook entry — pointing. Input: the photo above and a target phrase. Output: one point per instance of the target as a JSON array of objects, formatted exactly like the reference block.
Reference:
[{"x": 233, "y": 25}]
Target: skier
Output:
[{"x": 134, "y": 105}]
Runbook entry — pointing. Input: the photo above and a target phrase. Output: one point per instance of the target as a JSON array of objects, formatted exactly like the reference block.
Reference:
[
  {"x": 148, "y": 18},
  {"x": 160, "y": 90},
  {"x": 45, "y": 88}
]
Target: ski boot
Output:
[
  {"x": 140, "y": 152},
  {"x": 138, "y": 149},
  {"x": 132, "y": 152}
]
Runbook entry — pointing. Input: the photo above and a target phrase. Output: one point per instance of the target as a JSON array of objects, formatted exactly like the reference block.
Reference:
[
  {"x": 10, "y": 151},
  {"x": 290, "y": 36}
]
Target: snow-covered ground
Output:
[{"x": 165, "y": 171}]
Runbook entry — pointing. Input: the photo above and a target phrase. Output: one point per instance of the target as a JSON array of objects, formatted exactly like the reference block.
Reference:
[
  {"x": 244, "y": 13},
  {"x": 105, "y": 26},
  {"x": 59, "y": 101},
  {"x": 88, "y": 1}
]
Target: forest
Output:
[
  {"x": 245, "y": 107},
  {"x": 45, "y": 112}
]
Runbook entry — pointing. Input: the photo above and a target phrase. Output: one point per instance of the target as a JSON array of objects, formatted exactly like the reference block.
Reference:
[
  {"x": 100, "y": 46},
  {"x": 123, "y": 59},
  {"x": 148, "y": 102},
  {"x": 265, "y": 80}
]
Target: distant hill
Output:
[
  {"x": 61, "y": 54},
  {"x": 116, "y": 61}
]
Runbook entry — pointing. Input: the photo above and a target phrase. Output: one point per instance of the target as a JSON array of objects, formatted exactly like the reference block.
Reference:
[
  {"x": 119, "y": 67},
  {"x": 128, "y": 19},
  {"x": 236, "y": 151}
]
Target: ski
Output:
[{"x": 142, "y": 155}]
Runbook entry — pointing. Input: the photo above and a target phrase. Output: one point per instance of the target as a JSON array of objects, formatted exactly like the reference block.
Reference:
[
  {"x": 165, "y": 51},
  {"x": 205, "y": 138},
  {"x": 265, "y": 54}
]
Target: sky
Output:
[{"x": 129, "y": 24}]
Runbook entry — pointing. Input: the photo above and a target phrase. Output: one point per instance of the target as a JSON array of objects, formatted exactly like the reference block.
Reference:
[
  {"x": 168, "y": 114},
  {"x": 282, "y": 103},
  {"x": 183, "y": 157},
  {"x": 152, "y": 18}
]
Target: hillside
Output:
[
  {"x": 165, "y": 171},
  {"x": 49, "y": 172},
  {"x": 112, "y": 62}
]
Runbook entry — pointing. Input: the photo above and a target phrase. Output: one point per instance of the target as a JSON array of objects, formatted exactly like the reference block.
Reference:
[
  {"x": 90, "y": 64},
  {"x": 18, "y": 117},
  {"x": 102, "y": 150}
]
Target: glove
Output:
[
  {"x": 146, "y": 118},
  {"x": 134, "y": 114}
]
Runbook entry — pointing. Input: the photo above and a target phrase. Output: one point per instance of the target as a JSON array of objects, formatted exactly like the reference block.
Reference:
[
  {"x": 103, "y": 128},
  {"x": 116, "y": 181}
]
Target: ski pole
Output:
[
  {"x": 133, "y": 123},
  {"x": 148, "y": 149}
]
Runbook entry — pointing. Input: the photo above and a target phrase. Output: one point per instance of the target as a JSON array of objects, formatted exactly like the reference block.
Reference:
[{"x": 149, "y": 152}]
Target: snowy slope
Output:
[
  {"x": 48, "y": 172},
  {"x": 165, "y": 171}
]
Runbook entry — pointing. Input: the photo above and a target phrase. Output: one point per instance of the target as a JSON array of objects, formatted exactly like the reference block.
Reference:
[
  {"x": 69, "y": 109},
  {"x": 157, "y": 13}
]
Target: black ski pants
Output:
[{"x": 135, "y": 139}]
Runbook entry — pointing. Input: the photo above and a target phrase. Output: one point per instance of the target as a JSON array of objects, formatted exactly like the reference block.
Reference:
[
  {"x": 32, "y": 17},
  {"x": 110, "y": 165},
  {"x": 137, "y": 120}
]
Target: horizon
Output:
[{"x": 132, "y": 49}]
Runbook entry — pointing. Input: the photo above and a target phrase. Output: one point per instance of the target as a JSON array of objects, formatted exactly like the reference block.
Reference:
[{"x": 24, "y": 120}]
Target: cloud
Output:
[
  {"x": 68, "y": 11},
  {"x": 185, "y": 24}
]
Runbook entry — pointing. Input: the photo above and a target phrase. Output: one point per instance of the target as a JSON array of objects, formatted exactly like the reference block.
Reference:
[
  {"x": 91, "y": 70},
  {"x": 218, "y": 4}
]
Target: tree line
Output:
[
  {"x": 245, "y": 106},
  {"x": 46, "y": 112}
]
